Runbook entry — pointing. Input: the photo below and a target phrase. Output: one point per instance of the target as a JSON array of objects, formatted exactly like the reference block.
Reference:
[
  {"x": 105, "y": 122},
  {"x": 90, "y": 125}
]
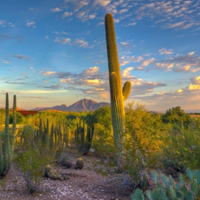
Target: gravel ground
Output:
[{"x": 81, "y": 184}]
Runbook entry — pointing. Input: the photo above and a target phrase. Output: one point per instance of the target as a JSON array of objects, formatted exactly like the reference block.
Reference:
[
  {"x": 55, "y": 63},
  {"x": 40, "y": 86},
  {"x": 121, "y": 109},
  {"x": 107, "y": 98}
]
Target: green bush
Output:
[
  {"x": 183, "y": 148},
  {"x": 31, "y": 164},
  {"x": 143, "y": 143},
  {"x": 177, "y": 116},
  {"x": 32, "y": 158},
  {"x": 19, "y": 119}
]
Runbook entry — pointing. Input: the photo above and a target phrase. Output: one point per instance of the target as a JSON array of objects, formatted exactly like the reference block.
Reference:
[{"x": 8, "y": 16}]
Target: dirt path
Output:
[{"x": 82, "y": 184}]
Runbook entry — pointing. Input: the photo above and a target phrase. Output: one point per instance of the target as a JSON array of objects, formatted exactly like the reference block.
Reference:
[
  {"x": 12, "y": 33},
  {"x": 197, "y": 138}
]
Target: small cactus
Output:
[
  {"x": 67, "y": 164},
  {"x": 52, "y": 173},
  {"x": 79, "y": 164}
]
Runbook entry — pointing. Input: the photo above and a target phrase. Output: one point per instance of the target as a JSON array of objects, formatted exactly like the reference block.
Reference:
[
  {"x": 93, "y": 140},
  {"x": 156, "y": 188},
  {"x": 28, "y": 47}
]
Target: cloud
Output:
[
  {"x": 92, "y": 16},
  {"x": 42, "y": 91},
  {"x": 21, "y": 57},
  {"x": 8, "y": 37},
  {"x": 65, "y": 40},
  {"x": 127, "y": 44},
  {"x": 4, "y": 23},
  {"x": 91, "y": 71},
  {"x": 67, "y": 14},
  {"x": 52, "y": 87},
  {"x": 145, "y": 63},
  {"x": 30, "y": 23},
  {"x": 165, "y": 51},
  {"x": 4, "y": 61},
  {"x": 195, "y": 80},
  {"x": 123, "y": 11},
  {"x": 49, "y": 73},
  {"x": 170, "y": 14},
  {"x": 102, "y": 3},
  {"x": 81, "y": 42},
  {"x": 126, "y": 72},
  {"x": 56, "y": 9},
  {"x": 95, "y": 84},
  {"x": 77, "y": 4},
  {"x": 180, "y": 63}
]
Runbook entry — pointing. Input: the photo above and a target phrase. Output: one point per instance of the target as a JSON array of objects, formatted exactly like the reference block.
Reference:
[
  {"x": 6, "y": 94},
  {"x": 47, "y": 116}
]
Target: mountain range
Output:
[{"x": 79, "y": 106}]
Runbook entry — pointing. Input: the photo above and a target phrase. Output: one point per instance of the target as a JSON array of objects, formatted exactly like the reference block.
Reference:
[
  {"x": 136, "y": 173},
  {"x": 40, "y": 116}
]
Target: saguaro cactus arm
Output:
[{"x": 126, "y": 89}]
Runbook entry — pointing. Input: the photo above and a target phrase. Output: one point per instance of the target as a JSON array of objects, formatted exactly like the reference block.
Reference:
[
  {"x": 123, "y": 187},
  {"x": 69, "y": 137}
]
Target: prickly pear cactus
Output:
[
  {"x": 117, "y": 94},
  {"x": 170, "y": 189}
]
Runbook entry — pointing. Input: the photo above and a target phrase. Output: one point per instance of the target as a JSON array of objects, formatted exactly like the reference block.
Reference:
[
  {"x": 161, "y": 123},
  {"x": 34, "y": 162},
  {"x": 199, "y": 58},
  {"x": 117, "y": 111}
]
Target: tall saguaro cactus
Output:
[{"x": 118, "y": 95}]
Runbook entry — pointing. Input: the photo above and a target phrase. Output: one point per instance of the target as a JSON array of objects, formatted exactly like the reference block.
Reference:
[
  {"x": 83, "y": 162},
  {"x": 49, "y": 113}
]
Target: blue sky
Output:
[{"x": 54, "y": 52}]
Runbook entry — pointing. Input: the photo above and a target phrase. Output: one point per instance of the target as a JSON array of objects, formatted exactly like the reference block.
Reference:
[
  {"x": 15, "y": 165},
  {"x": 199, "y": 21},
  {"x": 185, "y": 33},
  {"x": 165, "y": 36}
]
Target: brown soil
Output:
[{"x": 81, "y": 184}]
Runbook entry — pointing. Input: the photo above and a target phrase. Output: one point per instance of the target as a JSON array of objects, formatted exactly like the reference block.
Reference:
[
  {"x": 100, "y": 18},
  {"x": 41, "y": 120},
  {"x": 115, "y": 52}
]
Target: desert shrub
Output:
[
  {"x": 177, "y": 116},
  {"x": 31, "y": 164},
  {"x": 32, "y": 157},
  {"x": 2, "y": 116},
  {"x": 144, "y": 132},
  {"x": 19, "y": 119},
  {"x": 183, "y": 148},
  {"x": 103, "y": 141}
]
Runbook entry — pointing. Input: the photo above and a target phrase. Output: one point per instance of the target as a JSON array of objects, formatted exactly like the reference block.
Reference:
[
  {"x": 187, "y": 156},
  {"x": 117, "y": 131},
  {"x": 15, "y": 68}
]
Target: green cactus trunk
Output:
[
  {"x": 7, "y": 143},
  {"x": 1, "y": 156},
  {"x": 7, "y": 147},
  {"x": 117, "y": 96},
  {"x": 14, "y": 124}
]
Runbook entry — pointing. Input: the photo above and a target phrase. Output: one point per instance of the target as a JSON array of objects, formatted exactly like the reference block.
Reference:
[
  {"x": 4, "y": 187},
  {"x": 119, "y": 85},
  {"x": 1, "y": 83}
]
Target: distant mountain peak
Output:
[{"x": 79, "y": 106}]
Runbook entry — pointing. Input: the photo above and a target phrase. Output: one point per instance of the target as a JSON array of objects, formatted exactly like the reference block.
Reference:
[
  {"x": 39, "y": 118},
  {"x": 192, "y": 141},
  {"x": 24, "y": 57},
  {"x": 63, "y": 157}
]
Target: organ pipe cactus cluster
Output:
[
  {"x": 7, "y": 141},
  {"x": 118, "y": 95},
  {"x": 83, "y": 135}
]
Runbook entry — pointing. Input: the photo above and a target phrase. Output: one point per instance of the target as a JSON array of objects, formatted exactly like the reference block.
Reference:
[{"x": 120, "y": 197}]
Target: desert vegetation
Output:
[{"x": 151, "y": 155}]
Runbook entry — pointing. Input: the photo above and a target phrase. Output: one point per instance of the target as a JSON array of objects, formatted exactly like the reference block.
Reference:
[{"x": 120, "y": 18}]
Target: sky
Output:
[{"x": 54, "y": 52}]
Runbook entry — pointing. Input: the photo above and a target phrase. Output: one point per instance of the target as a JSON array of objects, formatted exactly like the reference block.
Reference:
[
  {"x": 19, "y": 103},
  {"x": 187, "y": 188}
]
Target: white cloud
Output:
[
  {"x": 81, "y": 43},
  {"x": 67, "y": 14},
  {"x": 123, "y": 11},
  {"x": 195, "y": 80},
  {"x": 49, "y": 73},
  {"x": 81, "y": 14},
  {"x": 91, "y": 71},
  {"x": 4, "y": 61},
  {"x": 30, "y": 23},
  {"x": 92, "y": 16},
  {"x": 42, "y": 91},
  {"x": 124, "y": 62},
  {"x": 191, "y": 53},
  {"x": 63, "y": 40},
  {"x": 56, "y": 9},
  {"x": 145, "y": 63},
  {"x": 102, "y": 3},
  {"x": 66, "y": 40},
  {"x": 126, "y": 72},
  {"x": 165, "y": 51}
]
